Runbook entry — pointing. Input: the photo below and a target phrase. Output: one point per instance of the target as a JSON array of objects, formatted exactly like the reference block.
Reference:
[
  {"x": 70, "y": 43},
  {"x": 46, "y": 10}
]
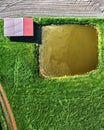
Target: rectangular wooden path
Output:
[{"x": 84, "y": 8}]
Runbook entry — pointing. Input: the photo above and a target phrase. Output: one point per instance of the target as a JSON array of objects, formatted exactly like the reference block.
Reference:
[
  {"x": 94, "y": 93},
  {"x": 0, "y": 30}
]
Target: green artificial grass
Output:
[
  {"x": 69, "y": 103},
  {"x": 2, "y": 120}
]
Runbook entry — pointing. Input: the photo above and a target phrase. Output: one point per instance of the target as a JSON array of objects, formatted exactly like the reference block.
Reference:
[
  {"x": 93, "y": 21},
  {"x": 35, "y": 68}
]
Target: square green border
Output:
[{"x": 97, "y": 22}]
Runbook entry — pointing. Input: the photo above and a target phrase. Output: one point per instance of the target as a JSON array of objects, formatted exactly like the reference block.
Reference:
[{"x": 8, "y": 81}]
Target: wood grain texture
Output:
[{"x": 84, "y": 8}]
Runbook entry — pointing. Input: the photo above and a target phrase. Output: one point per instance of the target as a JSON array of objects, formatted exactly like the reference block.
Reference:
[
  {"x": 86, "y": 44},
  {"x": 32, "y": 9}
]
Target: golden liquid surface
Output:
[{"x": 68, "y": 50}]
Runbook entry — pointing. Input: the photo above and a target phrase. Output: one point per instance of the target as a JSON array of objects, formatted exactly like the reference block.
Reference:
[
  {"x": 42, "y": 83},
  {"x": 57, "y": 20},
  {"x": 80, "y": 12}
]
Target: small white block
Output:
[{"x": 13, "y": 26}]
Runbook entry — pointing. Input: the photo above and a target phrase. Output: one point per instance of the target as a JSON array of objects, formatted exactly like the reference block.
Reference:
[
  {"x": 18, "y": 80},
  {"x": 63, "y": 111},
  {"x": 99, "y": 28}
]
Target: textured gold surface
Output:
[{"x": 68, "y": 50}]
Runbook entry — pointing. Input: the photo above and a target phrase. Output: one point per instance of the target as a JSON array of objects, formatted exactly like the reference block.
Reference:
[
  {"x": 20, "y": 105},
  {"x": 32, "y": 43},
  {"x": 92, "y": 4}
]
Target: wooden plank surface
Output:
[{"x": 18, "y": 8}]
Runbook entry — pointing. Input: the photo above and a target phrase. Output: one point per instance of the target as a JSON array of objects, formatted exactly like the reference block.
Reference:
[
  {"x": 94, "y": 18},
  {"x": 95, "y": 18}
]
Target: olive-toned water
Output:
[{"x": 68, "y": 50}]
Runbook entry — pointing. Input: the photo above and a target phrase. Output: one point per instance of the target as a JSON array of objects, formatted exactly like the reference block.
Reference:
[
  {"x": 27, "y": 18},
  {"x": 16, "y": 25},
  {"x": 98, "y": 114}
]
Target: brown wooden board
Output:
[{"x": 84, "y": 8}]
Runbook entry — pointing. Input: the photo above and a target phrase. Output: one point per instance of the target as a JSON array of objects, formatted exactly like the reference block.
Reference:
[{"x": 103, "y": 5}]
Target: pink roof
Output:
[{"x": 28, "y": 27}]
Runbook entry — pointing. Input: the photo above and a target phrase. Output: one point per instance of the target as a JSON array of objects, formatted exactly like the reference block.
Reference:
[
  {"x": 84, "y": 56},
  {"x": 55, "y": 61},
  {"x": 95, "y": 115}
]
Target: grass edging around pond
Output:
[{"x": 56, "y": 103}]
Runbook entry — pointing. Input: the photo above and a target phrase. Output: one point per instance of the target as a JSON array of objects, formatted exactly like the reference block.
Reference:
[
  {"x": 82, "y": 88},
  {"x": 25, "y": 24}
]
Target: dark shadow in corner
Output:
[
  {"x": 37, "y": 38},
  {"x": 0, "y": 126}
]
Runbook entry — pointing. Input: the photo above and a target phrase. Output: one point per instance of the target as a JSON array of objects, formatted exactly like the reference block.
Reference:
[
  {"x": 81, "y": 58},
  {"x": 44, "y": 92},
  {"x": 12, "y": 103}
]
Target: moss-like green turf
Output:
[{"x": 68, "y": 103}]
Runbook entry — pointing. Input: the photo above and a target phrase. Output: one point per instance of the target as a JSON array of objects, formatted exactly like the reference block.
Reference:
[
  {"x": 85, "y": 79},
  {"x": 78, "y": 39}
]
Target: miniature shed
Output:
[{"x": 18, "y": 27}]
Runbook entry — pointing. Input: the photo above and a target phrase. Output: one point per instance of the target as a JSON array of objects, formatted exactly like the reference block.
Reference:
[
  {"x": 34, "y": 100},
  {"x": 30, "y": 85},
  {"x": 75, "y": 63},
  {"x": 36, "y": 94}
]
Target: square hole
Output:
[{"x": 68, "y": 50}]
